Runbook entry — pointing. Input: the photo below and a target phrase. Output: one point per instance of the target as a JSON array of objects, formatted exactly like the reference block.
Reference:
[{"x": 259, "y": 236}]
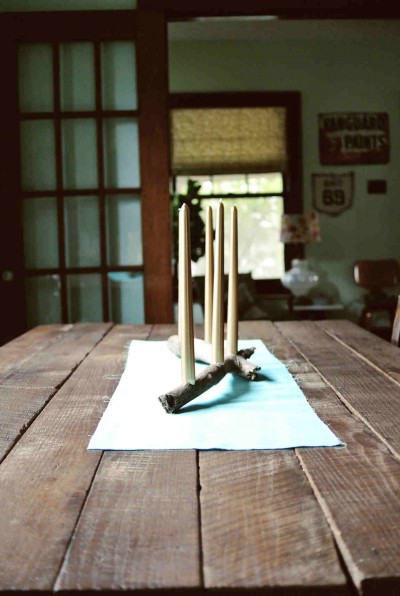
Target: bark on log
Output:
[
  {"x": 182, "y": 395},
  {"x": 202, "y": 353},
  {"x": 210, "y": 376}
]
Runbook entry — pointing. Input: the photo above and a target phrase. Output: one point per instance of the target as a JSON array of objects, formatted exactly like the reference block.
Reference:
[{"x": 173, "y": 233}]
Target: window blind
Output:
[{"x": 228, "y": 140}]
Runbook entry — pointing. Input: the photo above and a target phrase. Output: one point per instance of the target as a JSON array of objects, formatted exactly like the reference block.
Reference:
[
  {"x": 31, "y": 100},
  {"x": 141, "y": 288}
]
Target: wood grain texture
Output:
[
  {"x": 371, "y": 396},
  {"x": 78, "y": 520},
  {"x": 378, "y": 351},
  {"x": 139, "y": 528},
  {"x": 152, "y": 73},
  {"x": 162, "y": 332},
  {"x": 261, "y": 525},
  {"x": 358, "y": 487},
  {"x": 20, "y": 349},
  {"x": 45, "y": 478},
  {"x": 32, "y": 369}
]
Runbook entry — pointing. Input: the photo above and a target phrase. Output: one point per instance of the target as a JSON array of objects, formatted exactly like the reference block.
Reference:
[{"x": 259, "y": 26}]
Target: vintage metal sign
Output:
[
  {"x": 353, "y": 138},
  {"x": 332, "y": 193}
]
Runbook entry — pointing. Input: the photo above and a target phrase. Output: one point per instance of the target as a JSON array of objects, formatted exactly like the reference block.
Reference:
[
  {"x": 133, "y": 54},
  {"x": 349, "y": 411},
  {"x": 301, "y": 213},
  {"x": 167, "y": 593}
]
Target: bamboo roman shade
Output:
[{"x": 228, "y": 140}]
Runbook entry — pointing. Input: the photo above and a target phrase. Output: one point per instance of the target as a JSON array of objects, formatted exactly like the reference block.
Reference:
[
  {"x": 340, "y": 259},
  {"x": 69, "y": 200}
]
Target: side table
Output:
[{"x": 314, "y": 311}]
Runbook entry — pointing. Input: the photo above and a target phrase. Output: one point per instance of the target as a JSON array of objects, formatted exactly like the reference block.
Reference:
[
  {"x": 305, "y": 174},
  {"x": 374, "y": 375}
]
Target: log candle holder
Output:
[{"x": 210, "y": 376}]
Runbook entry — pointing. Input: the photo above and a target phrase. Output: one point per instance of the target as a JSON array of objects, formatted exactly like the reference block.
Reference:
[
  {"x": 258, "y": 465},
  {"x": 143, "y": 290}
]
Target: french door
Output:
[{"x": 85, "y": 233}]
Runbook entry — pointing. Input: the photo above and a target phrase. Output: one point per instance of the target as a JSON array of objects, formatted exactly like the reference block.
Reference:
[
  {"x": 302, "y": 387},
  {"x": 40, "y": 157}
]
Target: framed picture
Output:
[
  {"x": 332, "y": 193},
  {"x": 353, "y": 138}
]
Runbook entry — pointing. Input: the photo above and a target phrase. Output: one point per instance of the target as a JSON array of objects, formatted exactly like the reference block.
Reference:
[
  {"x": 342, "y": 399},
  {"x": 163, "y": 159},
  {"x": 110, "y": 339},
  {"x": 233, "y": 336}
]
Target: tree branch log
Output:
[
  {"x": 202, "y": 353},
  {"x": 210, "y": 376}
]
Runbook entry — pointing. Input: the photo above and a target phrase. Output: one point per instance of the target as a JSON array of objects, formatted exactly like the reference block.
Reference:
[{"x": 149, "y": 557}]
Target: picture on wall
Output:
[
  {"x": 353, "y": 138},
  {"x": 332, "y": 193}
]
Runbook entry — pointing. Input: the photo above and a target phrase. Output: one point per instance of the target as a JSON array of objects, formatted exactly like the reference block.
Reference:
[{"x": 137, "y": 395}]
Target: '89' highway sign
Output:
[{"x": 332, "y": 193}]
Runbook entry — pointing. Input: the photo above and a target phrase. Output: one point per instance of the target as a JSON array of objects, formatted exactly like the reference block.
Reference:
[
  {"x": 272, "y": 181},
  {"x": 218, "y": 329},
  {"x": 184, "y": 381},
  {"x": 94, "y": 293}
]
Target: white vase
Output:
[{"x": 299, "y": 279}]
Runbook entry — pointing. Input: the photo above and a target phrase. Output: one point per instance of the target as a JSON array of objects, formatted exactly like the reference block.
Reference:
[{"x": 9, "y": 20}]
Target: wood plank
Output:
[
  {"x": 139, "y": 528},
  {"x": 44, "y": 480},
  {"x": 370, "y": 395},
  {"x": 357, "y": 486},
  {"x": 47, "y": 367},
  {"x": 261, "y": 525},
  {"x": 15, "y": 352},
  {"x": 163, "y": 332},
  {"x": 375, "y": 349},
  {"x": 30, "y": 373}
]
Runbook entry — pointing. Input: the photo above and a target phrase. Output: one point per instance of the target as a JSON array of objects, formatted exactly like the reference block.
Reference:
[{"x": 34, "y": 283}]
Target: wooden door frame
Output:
[
  {"x": 291, "y": 101},
  {"x": 148, "y": 29},
  {"x": 285, "y": 9}
]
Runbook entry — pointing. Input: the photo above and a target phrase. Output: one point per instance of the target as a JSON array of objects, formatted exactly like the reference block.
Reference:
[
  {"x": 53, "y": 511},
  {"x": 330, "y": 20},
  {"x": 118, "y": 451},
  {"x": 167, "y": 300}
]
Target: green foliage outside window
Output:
[{"x": 197, "y": 225}]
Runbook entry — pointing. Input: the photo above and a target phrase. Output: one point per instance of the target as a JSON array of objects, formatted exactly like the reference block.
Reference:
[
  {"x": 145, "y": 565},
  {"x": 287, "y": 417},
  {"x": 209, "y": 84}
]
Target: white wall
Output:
[{"x": 332, "y": 75}]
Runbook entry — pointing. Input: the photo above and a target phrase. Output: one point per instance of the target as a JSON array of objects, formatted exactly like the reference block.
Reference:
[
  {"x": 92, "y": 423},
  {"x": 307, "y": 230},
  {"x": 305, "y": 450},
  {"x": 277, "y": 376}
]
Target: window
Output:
[
  {"x": 259, "y": 200},
  {"x": 243, "y": 148}
]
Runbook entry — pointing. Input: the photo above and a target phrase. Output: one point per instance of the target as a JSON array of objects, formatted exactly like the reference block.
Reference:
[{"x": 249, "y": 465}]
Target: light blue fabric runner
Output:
[{"x": 271, "y": 413}]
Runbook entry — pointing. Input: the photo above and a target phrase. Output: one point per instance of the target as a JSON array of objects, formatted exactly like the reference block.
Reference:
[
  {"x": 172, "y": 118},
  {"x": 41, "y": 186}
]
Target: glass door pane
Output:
[
  {"x": 35, "y": 62},
  {"x": 79, "y": 153},
  {"x": 77, "y": 76},
  {"x": 126, "y": 292},
  {"x": 84, "y": 298},
  {"x": 82, "y": 231},
  {"x": 124, "y": 232},
  {"x": 38, "y": 155},
  {"x": 43, "y": 300},
  {"x": 121, "y": 153},
  {"x": 119, "y": 75},
  {"x": 40, "y": 233}
]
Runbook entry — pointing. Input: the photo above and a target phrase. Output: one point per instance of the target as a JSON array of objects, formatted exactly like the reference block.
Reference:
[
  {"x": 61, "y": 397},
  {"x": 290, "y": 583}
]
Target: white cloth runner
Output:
[{"x": 271, "y": 413}]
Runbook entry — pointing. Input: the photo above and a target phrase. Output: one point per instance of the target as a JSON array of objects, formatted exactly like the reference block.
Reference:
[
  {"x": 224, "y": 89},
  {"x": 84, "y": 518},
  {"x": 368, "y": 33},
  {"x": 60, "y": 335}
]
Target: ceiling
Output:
[{"x": 267, "y": 28}]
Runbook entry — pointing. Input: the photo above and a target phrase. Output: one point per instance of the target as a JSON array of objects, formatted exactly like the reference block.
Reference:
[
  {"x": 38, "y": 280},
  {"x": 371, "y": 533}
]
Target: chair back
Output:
[
  {"x": 377, "y": 274},
  {"x": 396, "y": 325}
]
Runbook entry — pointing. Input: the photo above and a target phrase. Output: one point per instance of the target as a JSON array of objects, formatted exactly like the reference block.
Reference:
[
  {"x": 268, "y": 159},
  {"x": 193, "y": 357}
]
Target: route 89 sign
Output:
[{"x": 332, "y": 193}]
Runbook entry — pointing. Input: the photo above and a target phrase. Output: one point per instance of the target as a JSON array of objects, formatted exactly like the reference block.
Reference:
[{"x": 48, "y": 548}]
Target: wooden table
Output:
[{"x": 302, "y": 521}]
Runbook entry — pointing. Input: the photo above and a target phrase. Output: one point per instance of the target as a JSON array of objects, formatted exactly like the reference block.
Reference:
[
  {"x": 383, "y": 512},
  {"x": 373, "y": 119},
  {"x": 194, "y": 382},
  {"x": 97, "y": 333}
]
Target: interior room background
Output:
[{"x": 337, "y": 66}]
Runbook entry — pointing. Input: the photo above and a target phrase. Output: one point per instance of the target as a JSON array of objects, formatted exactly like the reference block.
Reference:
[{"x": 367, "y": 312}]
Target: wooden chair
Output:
[
  {"x": 376, "y": 276},
  {"x": 395, "y": 339}
]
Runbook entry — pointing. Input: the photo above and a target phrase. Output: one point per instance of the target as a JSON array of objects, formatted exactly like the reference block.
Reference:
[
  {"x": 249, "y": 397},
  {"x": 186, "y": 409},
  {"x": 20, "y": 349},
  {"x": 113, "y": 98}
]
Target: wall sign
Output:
[
  {"x": 353, "y": 138},
  {"x": 332, "y": 193}
]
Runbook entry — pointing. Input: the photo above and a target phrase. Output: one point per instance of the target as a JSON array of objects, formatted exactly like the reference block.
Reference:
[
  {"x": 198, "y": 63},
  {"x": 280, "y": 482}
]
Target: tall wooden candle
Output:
[
  {"x": 232, "y": 323},
  {"x": 217, "y": 348},
  {"x": 208, "y": 282},
  {"x": 185, "y": 300}
]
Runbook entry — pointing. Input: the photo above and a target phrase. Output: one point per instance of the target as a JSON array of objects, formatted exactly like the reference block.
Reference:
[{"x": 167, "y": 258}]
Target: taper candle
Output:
[
  {"x": 232, "y": 323},
  {"x": 185, "y": 305},
  {"x": 208, "y": 282},
  {"x": 217, "y": 346}
]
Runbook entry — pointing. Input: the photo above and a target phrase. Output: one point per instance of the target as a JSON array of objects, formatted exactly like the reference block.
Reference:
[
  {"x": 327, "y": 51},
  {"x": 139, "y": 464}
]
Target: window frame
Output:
[{"x": 293, "y": 181}]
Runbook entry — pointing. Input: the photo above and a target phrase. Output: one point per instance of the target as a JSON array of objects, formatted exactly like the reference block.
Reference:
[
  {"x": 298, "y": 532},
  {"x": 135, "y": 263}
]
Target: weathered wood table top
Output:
[{"x": 309, "y": 521}]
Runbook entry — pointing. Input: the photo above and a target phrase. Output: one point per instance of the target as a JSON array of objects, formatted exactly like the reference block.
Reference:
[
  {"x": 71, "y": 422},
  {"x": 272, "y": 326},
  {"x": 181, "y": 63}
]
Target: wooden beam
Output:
[
  {"x": 154, "y": 165},
  {"x": 288, "y": 9},
  {"x": 69, "y": 25}
]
